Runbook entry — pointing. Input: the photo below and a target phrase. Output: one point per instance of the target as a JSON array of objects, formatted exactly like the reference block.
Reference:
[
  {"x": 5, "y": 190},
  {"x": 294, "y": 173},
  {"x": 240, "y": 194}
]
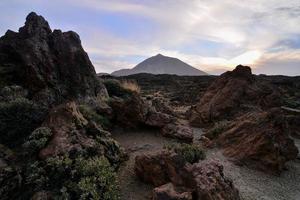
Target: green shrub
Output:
[
  {"x": 114, "y": 88},
  {"x": 99, "y": 179},
  {"x": 76, "y": 178},
  {"x": 37, "y": 140},
  {"x": 191, "y": 153},
  {"x": 91, "y": 115},
  {"x": 217, "y": 129},
  {"x": 18, "y": 118}
]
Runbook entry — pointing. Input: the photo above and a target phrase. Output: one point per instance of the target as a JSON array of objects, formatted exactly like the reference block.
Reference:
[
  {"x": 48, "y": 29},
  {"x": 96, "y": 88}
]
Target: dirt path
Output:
[
  {"x": 136, "y": 143},
  {"x": 252, "y": 184}
]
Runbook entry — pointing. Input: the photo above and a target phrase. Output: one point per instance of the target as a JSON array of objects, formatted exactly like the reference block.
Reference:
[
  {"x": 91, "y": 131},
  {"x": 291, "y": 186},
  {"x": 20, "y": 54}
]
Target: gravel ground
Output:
[
  {"x": 137, "y": 143},
  {"x": 256, "y": 185},
  {"x": 252, "y": 184}
]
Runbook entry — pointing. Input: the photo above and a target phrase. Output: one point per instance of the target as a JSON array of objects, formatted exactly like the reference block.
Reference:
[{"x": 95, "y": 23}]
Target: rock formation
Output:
[
  {"x": 232, "y": 93},
  {"x": 51, "y": 65},
  {"x": 176, "y": 179},
  {"x": 260, "y": 140}
]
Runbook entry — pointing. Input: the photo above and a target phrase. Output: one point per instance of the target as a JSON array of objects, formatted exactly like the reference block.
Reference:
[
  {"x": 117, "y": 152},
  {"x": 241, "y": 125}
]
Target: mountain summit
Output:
[{"x": 161, "y": 64}]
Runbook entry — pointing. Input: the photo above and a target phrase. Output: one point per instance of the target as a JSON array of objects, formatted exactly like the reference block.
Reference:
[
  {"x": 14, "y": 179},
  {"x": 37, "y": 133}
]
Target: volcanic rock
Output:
[
  {"x": 51, "y": 65},
  {"x": 180, "y": 132},
  {"x": 158, "y": 119},
  {"x": 72, "y": 132},
  {"x": 208, "y": 182},
  {"x": 159, "y": 168},
  {"x": 180, "y": 180},
  {"x": 169, "y": 192},
  {"x": 129, "y": 112},
  {"x": 260, "y": 140},
  {"x": 231, "y": 93}
]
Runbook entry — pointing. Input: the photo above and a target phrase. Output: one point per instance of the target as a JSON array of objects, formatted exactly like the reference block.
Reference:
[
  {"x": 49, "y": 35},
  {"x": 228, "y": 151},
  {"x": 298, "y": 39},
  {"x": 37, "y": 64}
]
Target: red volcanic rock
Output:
[
  {"x": 180, "y": 132},
  {"x": 259, "y": 140},
  {"x": 209, "y": 183},
  {"x": 72, "y": 132},
  {"x": 63, "y": 121},
  {"x": 129, "y": 112},
  {"x": 180, "y": 180},
  {"x": 233, "y": 92},
  {"x": 169, "y": 192},
  {"x": 158, "y": 119},
  {"x": 51, "y": 65},
  {"x": 159, "y": 168}
]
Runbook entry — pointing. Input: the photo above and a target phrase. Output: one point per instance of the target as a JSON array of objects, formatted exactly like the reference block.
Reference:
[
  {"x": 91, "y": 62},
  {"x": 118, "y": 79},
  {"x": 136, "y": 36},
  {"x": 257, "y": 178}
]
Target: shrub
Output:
[
  {"x": 114, "y": 88},
  {"x": 18, "y": 118},
  {"x": 77, "y": 178},
  {"x": 99, "y": 179},
  {"x": 91, "y": 115},
  {"x": 37, "y": 140},
  {"x": 131, "y": 86},
  {"x": 191, "y": 153},
  {"x": 217, "y": 129}
]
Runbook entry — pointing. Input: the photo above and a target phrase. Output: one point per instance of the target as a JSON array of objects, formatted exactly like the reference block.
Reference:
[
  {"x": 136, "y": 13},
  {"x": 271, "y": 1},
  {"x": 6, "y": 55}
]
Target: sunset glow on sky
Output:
[{"x": 211, "y": 35}]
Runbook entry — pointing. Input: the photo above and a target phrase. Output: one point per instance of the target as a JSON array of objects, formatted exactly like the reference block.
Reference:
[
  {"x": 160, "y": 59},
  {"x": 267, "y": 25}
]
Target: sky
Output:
[{"x": 211, "y": 35}]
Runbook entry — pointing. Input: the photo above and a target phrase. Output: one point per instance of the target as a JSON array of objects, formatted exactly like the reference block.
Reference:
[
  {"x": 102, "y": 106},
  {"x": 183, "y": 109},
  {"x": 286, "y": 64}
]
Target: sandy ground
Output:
[
  {"x": 252, "y": 184},
  {"x": 137, "y": 143}
]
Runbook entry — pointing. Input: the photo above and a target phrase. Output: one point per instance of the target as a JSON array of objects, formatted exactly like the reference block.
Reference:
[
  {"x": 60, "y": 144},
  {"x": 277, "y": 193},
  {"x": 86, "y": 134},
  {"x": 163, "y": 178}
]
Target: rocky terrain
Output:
[{"x": 66, "y": 133}]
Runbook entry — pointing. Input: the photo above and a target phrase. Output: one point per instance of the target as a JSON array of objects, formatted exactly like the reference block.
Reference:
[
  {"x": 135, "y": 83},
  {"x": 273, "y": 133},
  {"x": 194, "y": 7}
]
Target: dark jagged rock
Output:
[
  {"x": 259, "y": 140},
  {"x": 51, "y": 65},
  {"x": 230, "y": 94},
  {"x": 183, "y": 181},
  {"x": 72, "y": 132}
]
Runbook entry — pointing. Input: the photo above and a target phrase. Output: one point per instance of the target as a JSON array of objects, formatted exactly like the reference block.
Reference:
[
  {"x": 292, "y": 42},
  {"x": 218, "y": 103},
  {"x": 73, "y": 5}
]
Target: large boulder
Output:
[
  {"x": 181, "y": 132},
  {"x": 231, "y": 93},
  {"x": 51, "y": 65},
  {"x": 159, "y": 168},
  {"x": 129, "y": 112},
  {"x": 178, "y": 180},
  {"x": 259, "y": 140},
  {"x": 209, "y": 183},
  {"x": 158, "y": 119}
]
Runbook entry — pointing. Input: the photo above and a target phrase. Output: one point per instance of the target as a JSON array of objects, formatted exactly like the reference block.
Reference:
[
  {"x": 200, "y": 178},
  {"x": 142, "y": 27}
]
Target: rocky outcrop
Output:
[
  {"x": 208, "y": 182},
  {"x": 51, "y": 65},
  {"x": 233, "y": 92},
  {"x": 179, "y": 180},
  {"x": 158, "y": 119},
  {"x": 71, "y": 132},
  {"x": 180, "y": 132},
  {"x": 259, "y": 140},
  {"x": 169, "y": 192},
  {"x": 159, "y": 168},
  {"x": 131, "y": 111}
]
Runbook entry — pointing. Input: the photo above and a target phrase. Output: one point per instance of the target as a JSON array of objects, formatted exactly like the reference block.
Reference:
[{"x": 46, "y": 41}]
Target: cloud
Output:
[{"x": 248, "y": 32}]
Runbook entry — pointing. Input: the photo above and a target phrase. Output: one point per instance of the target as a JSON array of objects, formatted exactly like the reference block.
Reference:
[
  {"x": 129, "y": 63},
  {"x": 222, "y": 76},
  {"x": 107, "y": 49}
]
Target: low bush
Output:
[
  {"x": 91, "y": 115},
  {"x": 217, "y": 129},
  {"x": 76, "y": 178},
  {"x": 131, "y": 86},
  {"x": 37, "y": 140},
  {"x": 18, "y": 118},
  {"x": 191, "y": 153},
  {"x": 115, "y": 88}
]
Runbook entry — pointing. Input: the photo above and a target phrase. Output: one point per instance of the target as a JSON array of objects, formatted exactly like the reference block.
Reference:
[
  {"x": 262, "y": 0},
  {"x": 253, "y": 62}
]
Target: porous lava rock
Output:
[
  {"x": 232, "y": 93},
  {"x": 51, "y": 65}
]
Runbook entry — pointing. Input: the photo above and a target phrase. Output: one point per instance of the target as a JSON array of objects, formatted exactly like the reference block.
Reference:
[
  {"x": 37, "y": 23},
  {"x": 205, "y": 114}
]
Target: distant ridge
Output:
[{"x": 161, "y": 64}]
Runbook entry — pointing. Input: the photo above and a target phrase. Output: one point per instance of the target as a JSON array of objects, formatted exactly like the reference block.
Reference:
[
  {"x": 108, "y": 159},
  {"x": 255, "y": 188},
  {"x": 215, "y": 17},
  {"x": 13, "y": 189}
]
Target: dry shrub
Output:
[{"x": 131, "y": 86}]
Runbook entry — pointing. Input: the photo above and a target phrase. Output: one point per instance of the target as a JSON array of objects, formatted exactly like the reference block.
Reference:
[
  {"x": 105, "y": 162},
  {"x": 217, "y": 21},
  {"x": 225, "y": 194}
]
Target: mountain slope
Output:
[{"x": 160, "y": 64}]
